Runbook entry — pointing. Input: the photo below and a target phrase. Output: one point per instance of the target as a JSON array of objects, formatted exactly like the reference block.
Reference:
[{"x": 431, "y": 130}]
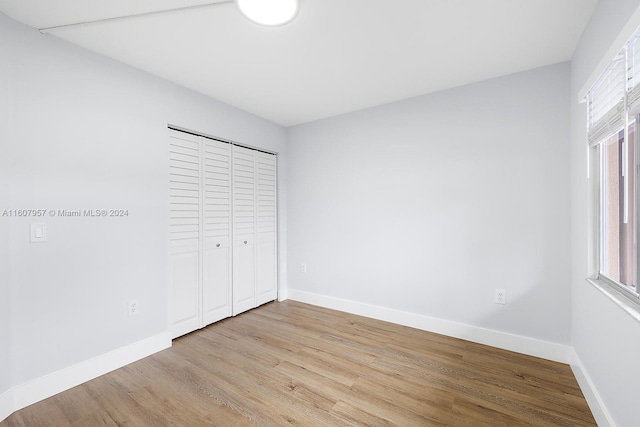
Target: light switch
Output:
[{"x": 38, "y": 232}]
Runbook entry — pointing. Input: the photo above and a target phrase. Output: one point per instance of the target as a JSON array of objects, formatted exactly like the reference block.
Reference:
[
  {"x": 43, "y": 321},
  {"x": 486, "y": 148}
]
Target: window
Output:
[
  {"x": 618, "y": 250},
  {"x": 614, "y": 111}
]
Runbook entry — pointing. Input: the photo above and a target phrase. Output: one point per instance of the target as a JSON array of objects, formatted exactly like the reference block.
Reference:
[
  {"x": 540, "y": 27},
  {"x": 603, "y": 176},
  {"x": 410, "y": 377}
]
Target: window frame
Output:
[
  {"x": 628, "y": 300},
  {"x": 623, "y": 202},
  {"x": 629, "y": 303}
]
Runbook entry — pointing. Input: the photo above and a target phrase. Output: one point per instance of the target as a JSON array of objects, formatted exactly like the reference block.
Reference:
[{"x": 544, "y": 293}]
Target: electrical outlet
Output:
[
  {"x": 133, "y": 307},
  {"x": 500, "y": 296},
  {"x": 303, "y": 268}
]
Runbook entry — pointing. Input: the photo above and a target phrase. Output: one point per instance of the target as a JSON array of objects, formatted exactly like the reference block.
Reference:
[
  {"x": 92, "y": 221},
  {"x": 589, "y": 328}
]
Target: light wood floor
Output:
[{"x": 295, "y": 364}]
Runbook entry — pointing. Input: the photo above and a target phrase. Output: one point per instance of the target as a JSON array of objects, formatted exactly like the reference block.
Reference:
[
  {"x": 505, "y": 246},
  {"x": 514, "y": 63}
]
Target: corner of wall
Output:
[{"x": 591, "y": 395}]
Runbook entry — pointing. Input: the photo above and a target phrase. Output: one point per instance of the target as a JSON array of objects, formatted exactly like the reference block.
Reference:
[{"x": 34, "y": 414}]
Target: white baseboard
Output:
[
  {"x": 41, "y": 388},
  {"x": 6, "y": 404},
  {"x": 520, "y": 344},
  {"x": 591, "y": 395}
]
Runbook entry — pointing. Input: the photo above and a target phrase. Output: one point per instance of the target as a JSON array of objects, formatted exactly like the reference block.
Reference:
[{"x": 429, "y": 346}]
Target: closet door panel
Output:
[
  {"x": 266, "y": 277},
  {"x": 184, "y": 234},
  {"x": 216, "y": 284},
  {"x": 184, "y": 289},
  {"x": 216, "y": 272},
  {"x": 266, "y": 226},
  {"x": 244, "y": 223},
  {"x": 244, "y": 292}
]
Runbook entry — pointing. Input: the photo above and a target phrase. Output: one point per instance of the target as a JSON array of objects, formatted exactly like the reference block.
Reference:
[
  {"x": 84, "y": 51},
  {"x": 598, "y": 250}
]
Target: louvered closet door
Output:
[
  {"x": 244, "y": 229},
  {"x": 266, "y": 249},
  {"x": 216, "y": 281},
  {"x": 223, "y": 228},
  {"x": 184, "y": 233}
]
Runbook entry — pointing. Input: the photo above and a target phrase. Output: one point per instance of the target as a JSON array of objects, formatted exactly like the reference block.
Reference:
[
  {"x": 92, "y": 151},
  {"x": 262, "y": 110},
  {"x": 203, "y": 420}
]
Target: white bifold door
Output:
[{"x": 222, "y": 230}]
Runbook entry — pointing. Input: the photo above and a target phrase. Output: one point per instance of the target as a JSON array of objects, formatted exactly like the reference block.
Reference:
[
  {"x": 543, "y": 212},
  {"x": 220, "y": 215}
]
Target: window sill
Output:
[{"x": 629, "y": 304}]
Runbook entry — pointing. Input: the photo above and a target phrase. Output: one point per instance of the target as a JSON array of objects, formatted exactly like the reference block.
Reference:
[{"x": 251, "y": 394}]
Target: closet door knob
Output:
[
  {"x": 245, "y": 242},
  {"x": 217, "y": 245}
]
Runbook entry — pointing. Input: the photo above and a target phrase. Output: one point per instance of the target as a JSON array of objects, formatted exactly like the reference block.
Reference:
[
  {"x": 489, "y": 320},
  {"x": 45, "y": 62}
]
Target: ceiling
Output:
[{"x": 337, "y": 56}]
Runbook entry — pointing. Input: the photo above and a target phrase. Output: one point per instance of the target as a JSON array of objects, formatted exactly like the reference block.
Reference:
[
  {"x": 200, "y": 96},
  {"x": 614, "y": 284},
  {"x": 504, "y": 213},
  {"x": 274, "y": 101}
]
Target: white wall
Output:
[
  {"x": 604, "y": 337},
  {"x": 5, "y": 298},
  {"x": 429, "y": 204},
  {"x": 90, "y": 133},
  {"x": 5, "y": 295}
]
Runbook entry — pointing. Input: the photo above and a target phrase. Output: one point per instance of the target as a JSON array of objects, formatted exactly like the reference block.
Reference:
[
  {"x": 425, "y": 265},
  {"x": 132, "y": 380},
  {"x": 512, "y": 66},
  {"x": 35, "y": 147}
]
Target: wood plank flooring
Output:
[{"x": 295, "y": 364}]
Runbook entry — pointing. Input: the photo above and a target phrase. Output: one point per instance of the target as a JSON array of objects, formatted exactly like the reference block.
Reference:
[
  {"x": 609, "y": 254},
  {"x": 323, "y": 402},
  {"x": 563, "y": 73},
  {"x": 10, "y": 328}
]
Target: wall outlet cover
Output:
[{"x": 133, "y": 307}]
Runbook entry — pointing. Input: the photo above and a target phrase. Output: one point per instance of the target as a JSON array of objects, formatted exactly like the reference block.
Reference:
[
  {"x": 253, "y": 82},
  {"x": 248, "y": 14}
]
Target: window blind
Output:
[
  {"x": 615, "y": 96},
  {"x": 633, "y": 67},
  {"x": 606, "y": 101}
]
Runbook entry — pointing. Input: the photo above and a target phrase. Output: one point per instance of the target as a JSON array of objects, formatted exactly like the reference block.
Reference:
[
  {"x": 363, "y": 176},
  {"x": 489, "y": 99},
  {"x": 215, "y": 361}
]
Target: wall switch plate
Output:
[
  {"x": 303, "y": 268},
  {"x": 501, "y": 296},
  {"x": 133, "y": 307},
  {"x": 38, "y": 232}
]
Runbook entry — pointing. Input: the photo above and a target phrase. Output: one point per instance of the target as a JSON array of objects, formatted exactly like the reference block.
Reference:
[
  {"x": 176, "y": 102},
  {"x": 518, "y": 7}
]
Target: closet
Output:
[{"x": 222, "y": 230}]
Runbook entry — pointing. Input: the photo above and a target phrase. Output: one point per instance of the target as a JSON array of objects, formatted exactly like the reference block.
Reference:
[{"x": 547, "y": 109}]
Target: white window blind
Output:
[
  {"x": 633, "y": 72},
  {"x": 606, "y": 101},
  {"x": 615, "y": 96}
]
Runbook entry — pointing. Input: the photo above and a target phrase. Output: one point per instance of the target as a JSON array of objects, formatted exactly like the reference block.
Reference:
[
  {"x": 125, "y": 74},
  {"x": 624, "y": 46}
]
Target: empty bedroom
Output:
[{"x": 319, "y": 213}]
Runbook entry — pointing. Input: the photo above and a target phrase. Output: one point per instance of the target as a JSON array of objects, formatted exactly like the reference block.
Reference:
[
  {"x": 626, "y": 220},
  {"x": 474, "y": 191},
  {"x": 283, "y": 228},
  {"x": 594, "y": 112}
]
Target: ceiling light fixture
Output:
[{"x": 270, "y": 13}]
